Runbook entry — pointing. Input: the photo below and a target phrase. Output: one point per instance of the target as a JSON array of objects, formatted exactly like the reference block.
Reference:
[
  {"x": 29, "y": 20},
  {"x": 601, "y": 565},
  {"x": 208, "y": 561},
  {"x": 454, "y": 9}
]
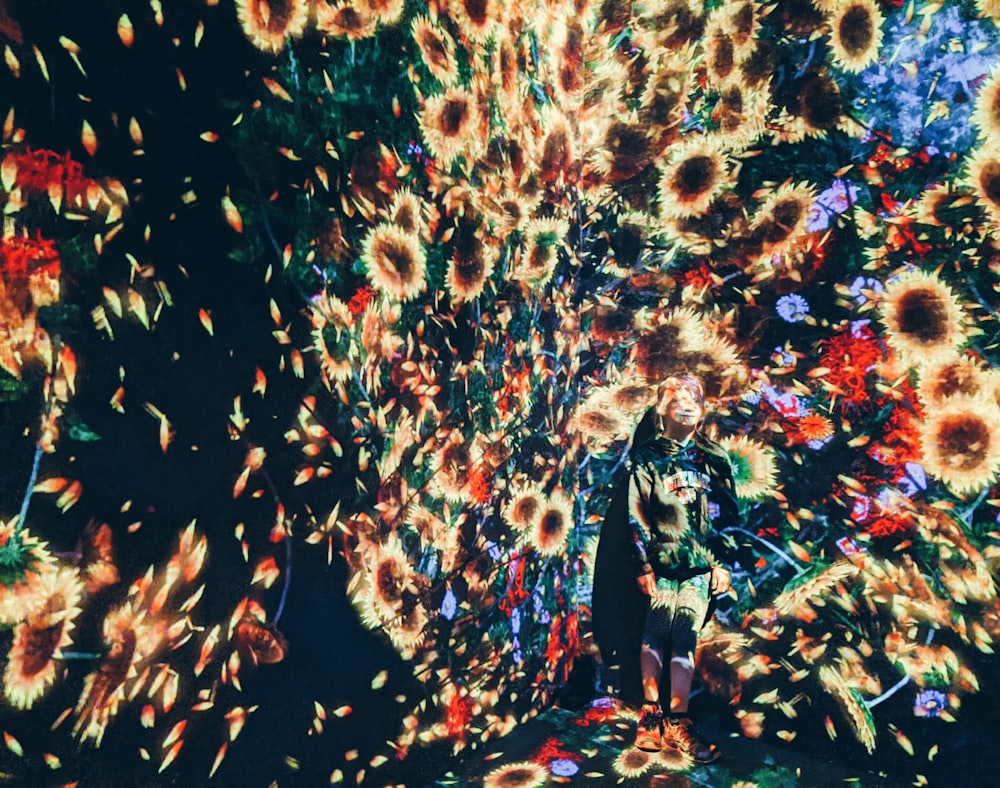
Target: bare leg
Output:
[
  {"x": 652, "y": 667},
  {"x": 681, "y": 675}
]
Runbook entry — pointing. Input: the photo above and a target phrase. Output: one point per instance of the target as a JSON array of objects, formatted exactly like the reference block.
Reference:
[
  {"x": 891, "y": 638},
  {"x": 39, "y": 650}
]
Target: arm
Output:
[{"x": 640, "y": 483}]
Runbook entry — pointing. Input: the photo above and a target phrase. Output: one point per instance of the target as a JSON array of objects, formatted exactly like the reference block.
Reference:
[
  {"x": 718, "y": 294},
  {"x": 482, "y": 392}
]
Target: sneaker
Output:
[
  {"x": 679, "y": 734},
  {"x": 649, "y": 732}
]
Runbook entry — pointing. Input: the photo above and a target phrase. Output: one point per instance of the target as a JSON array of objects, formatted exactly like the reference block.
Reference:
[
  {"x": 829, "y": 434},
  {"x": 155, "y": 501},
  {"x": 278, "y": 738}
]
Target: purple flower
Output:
[
  {"x": 792, "y": 308},
  {"x": 863, "y": 283},
  {"x": 930, "y": 703},
  {"x": 835, "y": 199},
  {"x": 449, "y": 605}
]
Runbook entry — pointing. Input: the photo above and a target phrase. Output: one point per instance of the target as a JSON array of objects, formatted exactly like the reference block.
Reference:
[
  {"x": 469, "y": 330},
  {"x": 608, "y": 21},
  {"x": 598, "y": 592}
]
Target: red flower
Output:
[
  {"x": 848, "y": 357},
  {"x": 360, "y": 300},
  {"x": 457, "y": 716}
]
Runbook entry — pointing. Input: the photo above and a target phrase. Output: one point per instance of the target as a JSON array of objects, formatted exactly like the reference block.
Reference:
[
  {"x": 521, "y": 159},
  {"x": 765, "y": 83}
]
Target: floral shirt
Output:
[{"x": 680, "y": 497}]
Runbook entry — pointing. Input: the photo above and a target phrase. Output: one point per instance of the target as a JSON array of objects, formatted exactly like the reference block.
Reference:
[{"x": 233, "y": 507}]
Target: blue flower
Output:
[
  {"x": 930, "y": 703},
  {"x": 563, "y": 767},
  {"x": 792, "y": 308},
  {"x": 449, "y": 605}
]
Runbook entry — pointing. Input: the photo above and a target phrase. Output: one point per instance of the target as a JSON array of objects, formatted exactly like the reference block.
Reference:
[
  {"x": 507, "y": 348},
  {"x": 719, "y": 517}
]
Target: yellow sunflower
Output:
[
  {"x": 522, "y": 774},
  {"x": 476, "y": 19},
  {"x": 395, "y": 262},
  {"x": 345, "y": 20},
  {"x": 269, "y": 24},
  {"x": 540, "y": 255},
  {"x": 449, "y": 123},
  {"x": 405, "y": 211},
  {"x": 550, "y": 531},
  {"x": 740, "y": 113},
  {"x": 856, "y": 34},
  {"x": 633, "y": 762},
  {"x": 387, "y": 12},
  {"x": 451, "y": 465},
  {"x": 624, "y": 152},
  {"x": 782, "y": 218},
  {"x": 470, "y": 266},
  {"x": 558, "y": 158},
  {"x": 21, "y": 598},
  {"x": 986, "y": 116},
  {"x": 332, "y": 340},
  {"x": 524, "y": 507},
  {"x": 984, "y": 179},
  {"x": 437, "y": 48},
  {"x": 744, "y": 21},
  {"x": 930, "y": 208},
  {"x": 945, "y": 377},
  {"x": 695, "y": 175},
  {"x": 389, "y": 575},
  {"x": 923, "y": 318},
  {"x": 755, "y": 468},
  {"x": 407, "y": 631},
  {"x": 39, "y": 640},
  {"x": 961, "y": 443}
]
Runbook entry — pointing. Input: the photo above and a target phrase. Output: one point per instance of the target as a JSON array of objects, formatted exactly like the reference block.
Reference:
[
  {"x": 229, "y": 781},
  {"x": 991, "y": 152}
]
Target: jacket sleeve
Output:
[
  {"x": 639, "y": 487},
  {"x": 725, "y": 510}
]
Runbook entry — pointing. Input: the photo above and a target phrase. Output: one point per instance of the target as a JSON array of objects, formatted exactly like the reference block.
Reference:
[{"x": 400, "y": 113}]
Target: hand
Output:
[
  {"x": 647, "y": 583},
  {"x": 720, "y": 580}
]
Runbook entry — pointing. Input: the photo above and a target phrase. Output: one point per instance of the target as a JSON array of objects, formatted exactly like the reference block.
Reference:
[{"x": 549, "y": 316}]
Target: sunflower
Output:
[
  {"x": 475, "y": 18},
  {"x": 984, "y": 179},
  {"x": 856, "y": 34},
  {"x": 387, "y": 12},
  {"x": 332, "y": 341},
  {"x": 407, "y": 632},
  {"x": 524, "y": 507},
  {"x": 624, "y": 152},
  {"x": 759, "y": 64},
  {"x": 961, "y": 443},
  {"x": 558, "y": 156},
  {"x": 923, "y": 317},
  {"x": 540, "y": 255},
  {"x": 814, "y": 427},
  {"x": 721, "y": 56},
  {"x": 633, "y": 762},
  {"x": 345, "y": 20},
  {"x": 389, "y": 576},
  {"x": 449, "y": 123},
  {"x": 740, "y": 113},
  {"x": 755, "y": 470},
  {"x": 522, "y": 774},
  {"x": 405, "y": 211},
  {"x": 39, "y": 639},
  {"x": 550, "y": 531},
  {"x": 437, "y": 48},
  {"x": 783, "y": 217},
  {"x": 598, "y": 422},
  {"x": 451, "y": 466},
  {"x": 632, "y": 397},
  {"x": 510, "y": 211},
  {"x": 269, "y": 24},
  {"x": 378, "y": 340},
  {"x": 22, "y": 597},
  {"x": 986, "y": 115},
  {"x": 470, "y": 266},
  {"x": 695, "y": 175},
  {"x": 933, "y": 205},
  {"x": 567, "y": 42},
  {"x": 395, "y": 262},
  {"x": 743, "y": 21},
  {"x": 947, "y": 377}
]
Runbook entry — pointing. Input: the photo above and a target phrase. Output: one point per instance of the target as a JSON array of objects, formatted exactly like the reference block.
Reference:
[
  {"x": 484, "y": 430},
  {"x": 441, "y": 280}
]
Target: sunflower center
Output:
[
  {"x": 387, "y": 578},
  {"x": 525, "y": 510},
  {"x": 477, "y": 11},
  {"x": 820, "y": 103},
  {"x": 723, "y": 60},
  {"x": 39, "y": 648},
  {"x": 551, "y": 523},
  {"x": 399, "y": 259},
  {"x": 453, "y": 117},
  {"x": 695, "y": 176},
  {"x": 989, "y": 180},
  {"x": 964, "y": 440},
  {"x": 922, "y": 315},
  {"x": 434, "y": 48},
  {"x": 856, "y": 30}
]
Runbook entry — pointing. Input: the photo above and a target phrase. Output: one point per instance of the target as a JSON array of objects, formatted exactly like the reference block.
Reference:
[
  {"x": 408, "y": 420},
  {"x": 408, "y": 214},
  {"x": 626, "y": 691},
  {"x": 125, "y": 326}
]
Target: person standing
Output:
[{"x": 680, "y": 496}]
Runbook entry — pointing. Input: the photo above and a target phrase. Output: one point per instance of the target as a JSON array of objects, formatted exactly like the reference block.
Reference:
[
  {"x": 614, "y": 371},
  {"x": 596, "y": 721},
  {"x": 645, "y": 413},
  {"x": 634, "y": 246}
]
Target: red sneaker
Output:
[{"x": 649, "y": 732}]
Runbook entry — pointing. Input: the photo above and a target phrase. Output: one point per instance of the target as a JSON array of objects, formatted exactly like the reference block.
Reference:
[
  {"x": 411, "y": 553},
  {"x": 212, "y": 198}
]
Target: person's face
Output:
[{"x": 683, "y": 407}]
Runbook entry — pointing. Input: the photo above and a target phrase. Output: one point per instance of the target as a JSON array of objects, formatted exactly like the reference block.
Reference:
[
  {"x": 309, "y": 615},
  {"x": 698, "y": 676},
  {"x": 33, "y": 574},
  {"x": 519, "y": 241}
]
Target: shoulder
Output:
[{"x": 714, "y": 453}]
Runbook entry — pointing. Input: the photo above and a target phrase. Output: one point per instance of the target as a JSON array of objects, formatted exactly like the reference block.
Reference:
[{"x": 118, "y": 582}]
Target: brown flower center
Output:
[
  {"x": 922, "y": 315},
  {"x": 478, "y": 11},
  {"x": 694, "y": 176},
  {"x": 453, "y": 117},
  {"x": 989, "y": 181},
  {"x": 820, "y": 103},
  {"x": 552, "y": 523},
  {"x": 963, "y": 440},
  {"x": 856, "y": 30},
  {"x": 39, "y": 647}
]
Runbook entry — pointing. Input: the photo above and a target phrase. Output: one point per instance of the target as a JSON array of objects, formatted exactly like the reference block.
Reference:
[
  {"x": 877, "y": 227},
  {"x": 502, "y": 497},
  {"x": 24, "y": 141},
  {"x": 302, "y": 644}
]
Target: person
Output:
[{"x": 680, "y": 496}]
